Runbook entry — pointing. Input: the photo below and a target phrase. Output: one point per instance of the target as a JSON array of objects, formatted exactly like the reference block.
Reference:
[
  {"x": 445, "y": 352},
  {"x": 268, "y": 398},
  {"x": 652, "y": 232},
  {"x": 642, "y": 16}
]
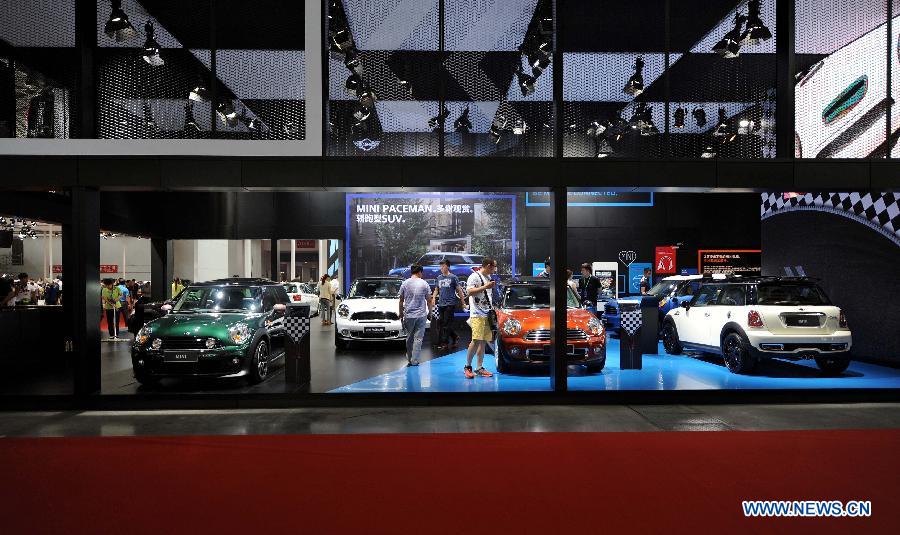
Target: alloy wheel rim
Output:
[
  {"x": 667, "y": 337},
  {"x": 732, "y": 353},
  {"x": 262, "y": 360}
]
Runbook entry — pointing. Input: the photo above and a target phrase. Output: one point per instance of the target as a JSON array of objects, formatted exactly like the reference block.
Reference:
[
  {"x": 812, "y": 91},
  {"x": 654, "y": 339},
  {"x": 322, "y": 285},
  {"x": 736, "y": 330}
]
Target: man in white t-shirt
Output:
[{"x": 479, "y": 288}]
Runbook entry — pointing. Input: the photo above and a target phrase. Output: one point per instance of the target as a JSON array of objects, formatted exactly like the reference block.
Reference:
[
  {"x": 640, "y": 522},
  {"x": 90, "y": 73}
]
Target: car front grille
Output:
[
  {"x": 375, "y": 315},
  {"x": 543, "y": 335},
  {"x": 374, "y": 335},
  {"x": 183, "y": 342}
]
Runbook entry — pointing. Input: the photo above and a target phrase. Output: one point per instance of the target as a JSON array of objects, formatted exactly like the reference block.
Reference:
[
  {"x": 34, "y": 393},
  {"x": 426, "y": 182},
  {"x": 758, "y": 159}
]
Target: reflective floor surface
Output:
[{"x": 659, "y": 372}]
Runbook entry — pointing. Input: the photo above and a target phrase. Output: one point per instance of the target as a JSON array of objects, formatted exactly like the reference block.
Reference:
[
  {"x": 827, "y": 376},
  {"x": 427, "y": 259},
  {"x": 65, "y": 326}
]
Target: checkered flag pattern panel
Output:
[
  {"x": 631, "y": 320},
  {"x": 296, "y": 327},
  {"x": 879, "y": 211}
]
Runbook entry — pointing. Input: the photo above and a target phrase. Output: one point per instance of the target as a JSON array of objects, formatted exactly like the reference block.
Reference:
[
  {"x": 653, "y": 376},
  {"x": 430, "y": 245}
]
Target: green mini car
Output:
[{"x": 223, "y": 328}]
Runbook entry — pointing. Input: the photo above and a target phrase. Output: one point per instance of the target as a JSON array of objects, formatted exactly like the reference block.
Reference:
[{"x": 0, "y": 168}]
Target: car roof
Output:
[{"x": 237, "y": 281}]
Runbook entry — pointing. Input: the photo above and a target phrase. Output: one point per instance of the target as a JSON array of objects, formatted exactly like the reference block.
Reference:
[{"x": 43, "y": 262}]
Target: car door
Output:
[
  {"x": 731, "y": 301},
  {"x": 694, "y": 324}
]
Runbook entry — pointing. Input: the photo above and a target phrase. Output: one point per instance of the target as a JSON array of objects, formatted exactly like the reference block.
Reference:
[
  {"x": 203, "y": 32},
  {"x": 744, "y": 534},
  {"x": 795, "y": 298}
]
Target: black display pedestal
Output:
[
  {"x": 630, "y": 354},
  {"x": 296, "y": 344},
  {"x": 650, "y": 329}
]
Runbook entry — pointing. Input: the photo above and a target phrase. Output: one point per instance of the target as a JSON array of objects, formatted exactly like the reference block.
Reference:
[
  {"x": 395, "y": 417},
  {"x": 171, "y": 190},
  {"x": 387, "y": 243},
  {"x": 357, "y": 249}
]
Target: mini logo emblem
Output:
[
  {"x": 366, "y": 144},
  {"x": 627, "y": 257}
]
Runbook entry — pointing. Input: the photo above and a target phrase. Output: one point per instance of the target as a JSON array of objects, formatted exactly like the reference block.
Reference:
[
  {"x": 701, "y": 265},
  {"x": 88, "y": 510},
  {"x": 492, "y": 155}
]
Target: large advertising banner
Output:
[
  {"x": 386, "y": 233},
  {"x": 747, "y": 262}
]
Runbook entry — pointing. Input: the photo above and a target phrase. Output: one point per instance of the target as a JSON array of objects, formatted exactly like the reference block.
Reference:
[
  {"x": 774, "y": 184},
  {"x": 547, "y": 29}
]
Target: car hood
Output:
[
  {"x": 207, "y": 324},
  {"x": 540, "y": 318},
  {"x": 383, "y": 305}
]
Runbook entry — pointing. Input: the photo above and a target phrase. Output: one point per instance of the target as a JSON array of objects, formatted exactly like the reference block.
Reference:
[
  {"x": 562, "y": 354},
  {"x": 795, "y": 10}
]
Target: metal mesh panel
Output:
[
  {"x": 255, "y": 90},
  {"x": 38, "y": 69},
  {"x": 842, "y": 84},
  {"x": 634, "y": 89}
]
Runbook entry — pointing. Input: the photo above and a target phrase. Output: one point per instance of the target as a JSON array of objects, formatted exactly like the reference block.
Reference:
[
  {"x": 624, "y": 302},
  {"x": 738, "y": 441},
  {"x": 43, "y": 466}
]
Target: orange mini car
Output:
[{"x": 523, "y": 339}]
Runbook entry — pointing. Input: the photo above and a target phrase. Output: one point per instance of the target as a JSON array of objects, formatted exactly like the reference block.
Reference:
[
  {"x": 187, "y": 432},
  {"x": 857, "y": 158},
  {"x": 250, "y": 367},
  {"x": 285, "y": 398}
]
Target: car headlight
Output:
[
  {"x": 512, "y": 327},
  {"x": 239, "y": 333},
  {"x": 595, "y": 327},
  {"x": 210, "y": 343},
  {"x": 343, "y": 311},
  {"x": 143, "y": 335},
  {"x": 156, "y": 344}
]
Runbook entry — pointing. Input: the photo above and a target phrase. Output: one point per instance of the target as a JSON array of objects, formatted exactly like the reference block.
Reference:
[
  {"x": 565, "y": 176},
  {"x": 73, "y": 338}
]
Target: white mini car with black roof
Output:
[{"x": 748, "y": 319}]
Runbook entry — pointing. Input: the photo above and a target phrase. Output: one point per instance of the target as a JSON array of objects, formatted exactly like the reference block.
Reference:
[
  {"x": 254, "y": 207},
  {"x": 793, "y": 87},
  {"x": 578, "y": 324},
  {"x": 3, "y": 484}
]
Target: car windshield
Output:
[
  {"x": 218, "y": 299},
  {"x": 375, "y": 289},
  {"x": 292, "y": 288},
  {"x": 791, "y": 294},
  {"x": 523, "y": 296},
  {"x": 662, "y": 288},
  {"x": 429, "y": 259}
]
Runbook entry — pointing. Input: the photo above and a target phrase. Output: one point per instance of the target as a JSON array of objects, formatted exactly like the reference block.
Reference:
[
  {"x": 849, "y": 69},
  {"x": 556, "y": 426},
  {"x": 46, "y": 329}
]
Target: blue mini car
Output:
[
  {"x": 461, "y": 264},
  {"x": 670, "y": 291}
]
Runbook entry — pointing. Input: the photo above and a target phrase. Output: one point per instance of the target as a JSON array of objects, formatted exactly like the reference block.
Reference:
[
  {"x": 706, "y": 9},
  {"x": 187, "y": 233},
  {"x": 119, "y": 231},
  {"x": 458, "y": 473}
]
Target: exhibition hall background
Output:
[{"x": 256, "y": 120}]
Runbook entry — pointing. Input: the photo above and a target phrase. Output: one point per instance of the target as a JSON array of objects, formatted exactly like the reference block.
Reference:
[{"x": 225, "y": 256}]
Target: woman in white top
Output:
[{"x": 325, "y": 298}]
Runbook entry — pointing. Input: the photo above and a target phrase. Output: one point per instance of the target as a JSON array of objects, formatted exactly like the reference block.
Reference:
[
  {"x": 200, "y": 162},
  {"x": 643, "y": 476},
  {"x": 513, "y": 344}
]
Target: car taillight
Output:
[
  {"x": 754, "y": 319},
  {"x": 842, "y": 319},
  {"x": 296, "y": 297}
]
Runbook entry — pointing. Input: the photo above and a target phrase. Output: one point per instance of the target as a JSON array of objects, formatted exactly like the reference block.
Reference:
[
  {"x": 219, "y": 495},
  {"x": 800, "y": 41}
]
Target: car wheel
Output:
[
  {"x": 734, "y": 351},
  {"x": 259, "y": 364},
  {"x": 500, "y": 359},
  {"x": 339, "y": 342},
  {"x": 832, "y": 365},
  {"x": 596, "y": 367},
  {"x": 670, "y": 339}
]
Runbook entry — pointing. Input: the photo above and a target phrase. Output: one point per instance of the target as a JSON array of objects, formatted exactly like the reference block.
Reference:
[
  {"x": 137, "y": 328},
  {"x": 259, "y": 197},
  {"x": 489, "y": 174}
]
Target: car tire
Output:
[
  {"x": 737, "y": 357},
  {"x": 339, "y": 343},
  {"x": 596, "y": 367},
  {"x": 259, "y": 362},
  {"x": 501, "y": 360},
  {"x": 832, "y": 365},
  {"x": 671, "y": 342}
]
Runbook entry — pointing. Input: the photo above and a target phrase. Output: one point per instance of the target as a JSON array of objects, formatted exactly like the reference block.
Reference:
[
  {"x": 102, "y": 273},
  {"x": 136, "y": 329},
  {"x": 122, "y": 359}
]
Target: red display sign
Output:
[
  {"x": 57, "y": 268},
  {"x": 665, "y": 259},
  {"x": 109, "y": 268},
  {"x": 306, "y": 244}
]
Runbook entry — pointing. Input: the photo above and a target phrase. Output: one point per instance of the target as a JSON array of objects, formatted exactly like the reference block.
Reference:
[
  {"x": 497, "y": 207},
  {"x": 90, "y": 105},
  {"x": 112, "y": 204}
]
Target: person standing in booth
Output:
[
  {"x": 588, "y": 287},
  {"x": 448, "y": 295},
  {"x": 646, "y": 281},
  {"x": 325, "y": 299},
  {"x": 415, "y": 306},
  {"x": 110, "y": 298}
]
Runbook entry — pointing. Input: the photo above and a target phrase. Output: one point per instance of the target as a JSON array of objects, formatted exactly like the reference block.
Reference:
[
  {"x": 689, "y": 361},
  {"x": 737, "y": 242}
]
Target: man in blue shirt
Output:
[
  {"x": 415, "y": 306},
  {"x": 448, "y": 295}
]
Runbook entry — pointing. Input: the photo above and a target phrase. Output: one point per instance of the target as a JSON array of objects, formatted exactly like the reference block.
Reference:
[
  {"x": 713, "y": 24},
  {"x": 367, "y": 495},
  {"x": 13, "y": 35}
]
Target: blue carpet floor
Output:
[{"x": 660, "y": 372}]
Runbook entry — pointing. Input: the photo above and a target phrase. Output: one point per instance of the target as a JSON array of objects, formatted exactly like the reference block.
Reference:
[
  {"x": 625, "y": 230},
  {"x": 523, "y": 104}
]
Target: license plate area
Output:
[
  {"x": 373, "y": 329},
  {"x": 181, "y": 356},
  {"x": 803, "y": 320}
]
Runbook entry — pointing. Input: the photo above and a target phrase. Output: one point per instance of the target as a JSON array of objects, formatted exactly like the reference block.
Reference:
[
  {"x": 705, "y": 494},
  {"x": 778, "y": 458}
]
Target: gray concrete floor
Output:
[{"x": 452, "y": 420}]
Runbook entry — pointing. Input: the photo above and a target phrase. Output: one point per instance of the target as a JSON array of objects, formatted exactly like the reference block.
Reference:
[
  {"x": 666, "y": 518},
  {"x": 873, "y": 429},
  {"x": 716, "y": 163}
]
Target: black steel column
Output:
[
  {"x": 558, "y": 288},
  {"x": 160, "y": 268},
  {"x": 86, "y": 89},
  {"x": 81, "y": 272},
  {"x": 784, "y": 79}
]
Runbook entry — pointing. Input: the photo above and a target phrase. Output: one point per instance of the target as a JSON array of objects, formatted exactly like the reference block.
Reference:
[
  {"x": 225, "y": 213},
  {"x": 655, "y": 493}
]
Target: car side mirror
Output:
[{"x": 685, "y": 305}]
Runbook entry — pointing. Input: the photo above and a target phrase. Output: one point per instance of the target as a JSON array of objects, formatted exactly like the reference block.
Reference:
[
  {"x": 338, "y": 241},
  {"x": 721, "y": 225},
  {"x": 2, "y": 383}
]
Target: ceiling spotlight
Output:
[
  {"x": 497, "y": 127},
  {"x": 118, "y": 26},
  {"x": 463, "y": 124},
  {"x": 342, "y": 40},
  {"x": 253, "y": 124},
  {"x": 602, "y": 148},
  {"x": 722, "y": 124},
  {"x": 635, "y": 85},
  {"x": 519, "y": 127},
  {"x": 151, "y": 47},
  {"x": 539, "y": 57},
  {"x": 526, "y": 82},
  {"x": 149, "y": 121},
  {"x": 642, "y": 120},
  {"x": 353, "y": 83},
  {"x": 225, "y": 110},
  {"x": 190, "y": 124},
  {"x": 437, "y": 122},
  {"x": 756, "y": 32},
  {"x": 699, "y": 115},
  {"x": 730, "y": 45},
  {"x": 200, "y": 93},
  {"x": 617, "y": 127},
  {"x": 595, "y": 129},
  {"x": 680, "y": 115},
  {"x": 708, "y": 152},
  {"x": 352, "y": 62}
]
